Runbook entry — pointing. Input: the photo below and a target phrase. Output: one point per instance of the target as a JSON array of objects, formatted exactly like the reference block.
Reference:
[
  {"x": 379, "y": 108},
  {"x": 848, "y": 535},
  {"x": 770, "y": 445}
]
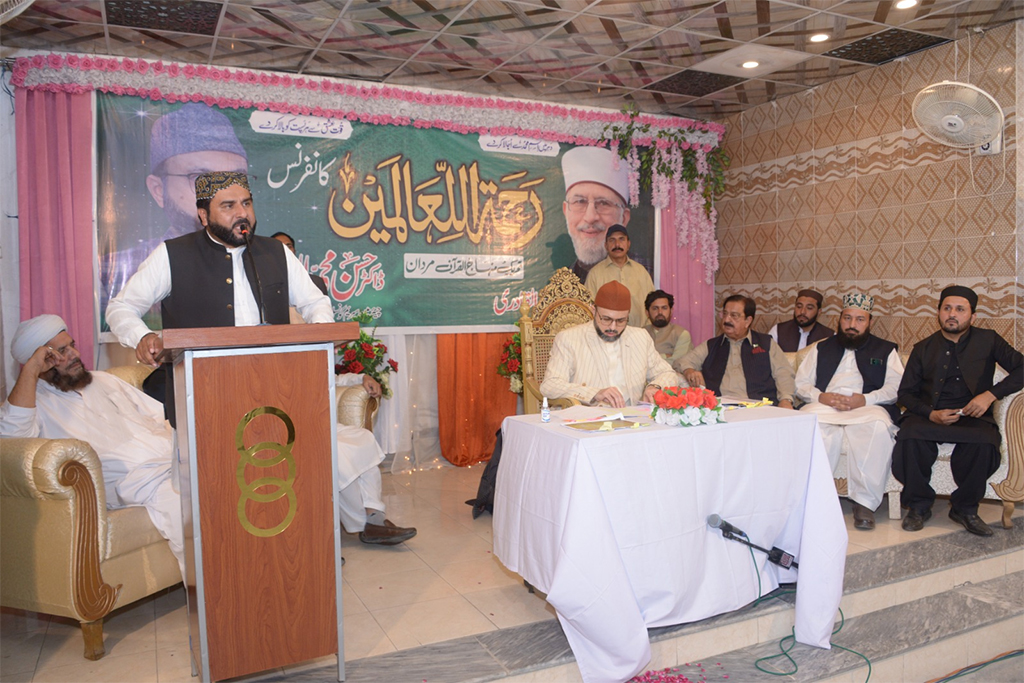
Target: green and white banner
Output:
[{"x": 424, "y": 229}]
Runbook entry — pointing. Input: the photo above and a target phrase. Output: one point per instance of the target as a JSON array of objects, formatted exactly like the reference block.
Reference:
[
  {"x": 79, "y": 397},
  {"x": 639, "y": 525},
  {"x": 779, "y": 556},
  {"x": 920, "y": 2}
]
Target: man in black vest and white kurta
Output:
[
  {"x": 740, "y": 363},
  {"x": 948, "y": 390},
  {"x": 804, "y": 328},
  {"x": 850, "y": 381},
  {"x": 213, "y": 286}
]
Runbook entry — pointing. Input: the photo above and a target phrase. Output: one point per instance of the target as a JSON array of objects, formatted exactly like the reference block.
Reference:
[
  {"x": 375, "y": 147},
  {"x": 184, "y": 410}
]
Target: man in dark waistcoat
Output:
[
  {"x": 804, "y": 328},
  {"x": 850, "y": 382},
  {"x": 948, "y": 392},
  {"x": 208, "y": 279},
  {"x": 740, "y": 362}
]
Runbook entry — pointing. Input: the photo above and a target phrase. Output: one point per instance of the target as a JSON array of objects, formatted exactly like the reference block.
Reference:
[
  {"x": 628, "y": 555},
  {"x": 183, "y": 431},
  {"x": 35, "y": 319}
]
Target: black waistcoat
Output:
[
  {"x": 789, "y": 335},
  {"x": 757, "y": 367},
  {"x": 872, "y": 360}
]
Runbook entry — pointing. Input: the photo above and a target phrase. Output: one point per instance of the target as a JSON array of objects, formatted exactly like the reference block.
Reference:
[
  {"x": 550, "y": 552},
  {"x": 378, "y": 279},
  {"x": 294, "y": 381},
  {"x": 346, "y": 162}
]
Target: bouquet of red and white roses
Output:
[
  {"x": 367, "y": 356},
  {"x": 689, "y": 407}
]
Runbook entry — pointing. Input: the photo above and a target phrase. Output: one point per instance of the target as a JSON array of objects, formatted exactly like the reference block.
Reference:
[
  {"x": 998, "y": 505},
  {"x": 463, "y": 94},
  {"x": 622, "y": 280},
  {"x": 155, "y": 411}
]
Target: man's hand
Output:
[
  {"x": 149, "y": 348},
  {"x": 694, "y": 377},
  {"x": 786, "y": 403},
  {"x": 23, "y": 394},
  {"x": 944, "y": 417},
  {"x": 649, "y": 393},
  {"x": 372, "y": 386},
  {"x": 610, "y": 395},
  {"x": 979, "y": 405},
  {"x": 44, "y": 358},
  {"x": 841, "y": 402}
]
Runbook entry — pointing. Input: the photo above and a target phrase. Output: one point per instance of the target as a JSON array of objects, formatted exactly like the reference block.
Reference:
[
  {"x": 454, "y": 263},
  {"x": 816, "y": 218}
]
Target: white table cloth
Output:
[{"x": 612, "y": 526}]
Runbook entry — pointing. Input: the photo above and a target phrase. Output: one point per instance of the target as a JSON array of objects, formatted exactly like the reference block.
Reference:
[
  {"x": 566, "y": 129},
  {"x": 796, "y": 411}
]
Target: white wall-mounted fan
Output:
[{"x": 958, "y": 114}]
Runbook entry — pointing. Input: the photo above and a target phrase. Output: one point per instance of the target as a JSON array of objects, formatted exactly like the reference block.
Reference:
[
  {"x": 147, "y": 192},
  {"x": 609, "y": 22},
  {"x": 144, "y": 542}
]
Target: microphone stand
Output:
[{"x": 256, "y": 273}]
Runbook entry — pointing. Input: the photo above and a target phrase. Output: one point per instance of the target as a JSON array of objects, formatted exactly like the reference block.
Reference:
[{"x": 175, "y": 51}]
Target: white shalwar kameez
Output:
[{"x": 866, "y": 434}]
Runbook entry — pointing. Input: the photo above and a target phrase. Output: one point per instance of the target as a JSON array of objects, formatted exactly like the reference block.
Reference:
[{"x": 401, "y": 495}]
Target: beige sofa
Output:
[
  {"x": 62, "y": 552},
  {"x": 1006, "y": 485}
]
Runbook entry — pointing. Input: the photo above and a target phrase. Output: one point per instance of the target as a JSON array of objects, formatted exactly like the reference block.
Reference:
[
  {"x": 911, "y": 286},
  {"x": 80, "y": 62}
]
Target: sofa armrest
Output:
[
  {"x": 1009, "y": 415},
  {"x": 355, "y": 407},
  {"x": 53, "y": 517}
]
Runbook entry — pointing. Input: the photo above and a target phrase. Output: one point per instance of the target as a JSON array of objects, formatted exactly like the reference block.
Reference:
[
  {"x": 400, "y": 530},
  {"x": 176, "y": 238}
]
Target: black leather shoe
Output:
[
  {"x": 386, "y": 533},
  {"x": 914, "y": 521},
  {"x": 863, "y": 518},
  {"x": 971, "y": 522}
]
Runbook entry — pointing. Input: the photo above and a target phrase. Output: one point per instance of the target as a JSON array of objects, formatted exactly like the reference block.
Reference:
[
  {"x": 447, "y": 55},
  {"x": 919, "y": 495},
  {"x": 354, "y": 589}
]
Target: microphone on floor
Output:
[{"x": 776, "y": 556}]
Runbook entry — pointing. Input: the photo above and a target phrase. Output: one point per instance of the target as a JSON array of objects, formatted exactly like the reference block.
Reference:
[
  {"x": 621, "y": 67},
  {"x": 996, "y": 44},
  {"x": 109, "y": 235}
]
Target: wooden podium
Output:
[{"x": 257, "y": 468}]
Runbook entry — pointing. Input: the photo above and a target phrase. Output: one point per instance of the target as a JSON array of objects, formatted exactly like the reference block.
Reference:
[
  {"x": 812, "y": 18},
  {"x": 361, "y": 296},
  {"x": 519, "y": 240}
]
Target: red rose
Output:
[
  {"x": 513, "y": 365},
  {"x": 367, "y": 349},
  {"x": 393, "y": 363},
  {"x": 355, "y": 366},
  {"x": 350, "y": 354}
]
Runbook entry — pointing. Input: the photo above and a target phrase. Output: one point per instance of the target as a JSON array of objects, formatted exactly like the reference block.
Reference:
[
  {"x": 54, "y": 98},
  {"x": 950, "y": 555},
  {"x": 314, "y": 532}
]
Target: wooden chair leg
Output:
[
  {"x": 1007, "y": 513},
  {"x": 92, "y": 633}
]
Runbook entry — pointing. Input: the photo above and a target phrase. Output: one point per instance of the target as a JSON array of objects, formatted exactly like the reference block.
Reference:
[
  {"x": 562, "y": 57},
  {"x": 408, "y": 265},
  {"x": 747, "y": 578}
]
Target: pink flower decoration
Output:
[
  {"x": 189, "y": 71},
  {"x": 202, "y": 71},
  {"x": 173, "y": 70},
  {"x": 38, "y": 61},
  {"x": 142, "y": 66},
  {"x": 158, "y": 67},
  {"x": 55, "y": 61},
  {"x": 72, "y": 61}
]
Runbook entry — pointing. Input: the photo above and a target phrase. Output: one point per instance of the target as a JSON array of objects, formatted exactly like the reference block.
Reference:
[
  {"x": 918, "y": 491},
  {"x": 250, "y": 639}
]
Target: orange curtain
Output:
[{"x": 472, "y": 398}]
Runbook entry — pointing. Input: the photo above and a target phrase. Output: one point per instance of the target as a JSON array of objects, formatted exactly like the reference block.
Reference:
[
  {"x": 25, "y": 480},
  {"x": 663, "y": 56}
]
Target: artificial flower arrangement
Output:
[
  {"x": 511, "y": 364},
  {"x": 366, "y": 356},
  {"x": 689, "y": 407}
]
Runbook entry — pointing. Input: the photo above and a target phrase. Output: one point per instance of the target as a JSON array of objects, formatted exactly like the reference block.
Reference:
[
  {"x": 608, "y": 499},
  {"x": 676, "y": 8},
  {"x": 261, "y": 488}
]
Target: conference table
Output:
[{"x": 612, "y": 526}]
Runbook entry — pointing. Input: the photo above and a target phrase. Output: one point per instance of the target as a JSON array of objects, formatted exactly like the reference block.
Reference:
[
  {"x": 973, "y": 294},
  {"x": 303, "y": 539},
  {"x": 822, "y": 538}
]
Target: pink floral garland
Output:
[{"x": 393, "y": 106}]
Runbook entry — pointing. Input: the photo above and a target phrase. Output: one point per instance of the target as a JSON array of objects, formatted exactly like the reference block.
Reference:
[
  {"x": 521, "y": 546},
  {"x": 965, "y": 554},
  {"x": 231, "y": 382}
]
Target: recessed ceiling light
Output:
[
  {"x": 819, "y": 37},
  {"x": 751, "y": 65},
  {"x": 905, "y": 4}
]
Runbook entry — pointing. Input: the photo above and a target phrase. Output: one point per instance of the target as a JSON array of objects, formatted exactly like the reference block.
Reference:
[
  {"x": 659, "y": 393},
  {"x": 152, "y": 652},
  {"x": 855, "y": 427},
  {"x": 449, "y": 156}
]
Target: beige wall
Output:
[{"x": 836, "y": 189}]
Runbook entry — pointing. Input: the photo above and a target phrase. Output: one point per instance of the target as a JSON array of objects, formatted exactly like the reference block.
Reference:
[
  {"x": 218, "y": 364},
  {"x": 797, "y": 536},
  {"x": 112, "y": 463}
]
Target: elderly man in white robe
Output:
[
  {"x": 607, "y": 362},
  {"x": 850, "y": 381}
]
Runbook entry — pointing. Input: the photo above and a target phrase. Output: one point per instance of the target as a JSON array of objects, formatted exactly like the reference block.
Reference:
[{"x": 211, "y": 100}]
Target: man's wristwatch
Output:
[{"x": 656, "y": 386}]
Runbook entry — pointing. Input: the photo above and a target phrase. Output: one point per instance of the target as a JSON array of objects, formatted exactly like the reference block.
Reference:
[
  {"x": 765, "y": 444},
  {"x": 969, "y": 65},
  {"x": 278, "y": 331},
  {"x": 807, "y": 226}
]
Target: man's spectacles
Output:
[
  {"x": 604, "y": 207},
  {"x": 606, "y": 320}
]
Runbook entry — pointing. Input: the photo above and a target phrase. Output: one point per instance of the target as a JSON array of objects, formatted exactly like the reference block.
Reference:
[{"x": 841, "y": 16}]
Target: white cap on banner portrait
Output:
[{"x": 596, "y": 165}]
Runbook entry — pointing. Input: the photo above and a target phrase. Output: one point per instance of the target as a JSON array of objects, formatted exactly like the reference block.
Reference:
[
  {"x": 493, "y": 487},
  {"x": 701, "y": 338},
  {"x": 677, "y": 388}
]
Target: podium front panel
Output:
[{"x": 263, "y": 428}]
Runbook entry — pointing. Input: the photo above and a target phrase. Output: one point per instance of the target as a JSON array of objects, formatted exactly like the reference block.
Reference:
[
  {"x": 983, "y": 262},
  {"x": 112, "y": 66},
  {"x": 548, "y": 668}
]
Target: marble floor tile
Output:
[
  {"x": 137, "y": 667},
  {"x": 400, "y": 588},
  {"x": 173, "y": 665},
  {"x": 364, "y": 637},
  {"x": 510, "y": 606},
  {"x": 20, "y": 652},
  {"x": 477, "y": 575},
  {"x": 423, "y": 623}
]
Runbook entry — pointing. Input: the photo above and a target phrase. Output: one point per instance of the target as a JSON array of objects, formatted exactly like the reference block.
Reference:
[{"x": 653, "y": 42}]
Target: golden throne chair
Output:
[{"x": 562, "y": 303}]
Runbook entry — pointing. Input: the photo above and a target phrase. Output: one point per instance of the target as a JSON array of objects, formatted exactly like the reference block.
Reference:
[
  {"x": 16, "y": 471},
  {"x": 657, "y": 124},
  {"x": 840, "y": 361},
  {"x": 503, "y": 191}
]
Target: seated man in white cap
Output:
[
  {"x": 606, "y": 362},
  {"x": 55, "y": 397},
  {"x": 850, "y": 381},
  {"x": 596, "y": 198}
]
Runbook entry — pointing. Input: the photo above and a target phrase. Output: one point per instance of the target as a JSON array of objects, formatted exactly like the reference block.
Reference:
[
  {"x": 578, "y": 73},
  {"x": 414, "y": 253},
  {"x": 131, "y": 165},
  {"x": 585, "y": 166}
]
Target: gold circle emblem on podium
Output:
[{"x": 281, "y": 487}]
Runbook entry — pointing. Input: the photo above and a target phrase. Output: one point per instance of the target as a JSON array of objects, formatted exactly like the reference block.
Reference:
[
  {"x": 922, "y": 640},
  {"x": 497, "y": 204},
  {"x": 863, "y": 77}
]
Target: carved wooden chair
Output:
[{"x": 562, "y": 303}]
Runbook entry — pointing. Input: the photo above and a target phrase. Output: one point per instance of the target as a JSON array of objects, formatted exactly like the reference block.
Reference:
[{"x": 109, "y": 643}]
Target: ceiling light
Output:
[
  {"x": 819, "y": 37},
  {"x": 751, "y": 65},
  {"x": 905, "y": 4}
]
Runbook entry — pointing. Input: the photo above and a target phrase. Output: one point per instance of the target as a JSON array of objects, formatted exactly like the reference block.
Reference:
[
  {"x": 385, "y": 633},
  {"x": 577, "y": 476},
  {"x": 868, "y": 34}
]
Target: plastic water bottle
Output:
[{"x": 545, "y": 411}]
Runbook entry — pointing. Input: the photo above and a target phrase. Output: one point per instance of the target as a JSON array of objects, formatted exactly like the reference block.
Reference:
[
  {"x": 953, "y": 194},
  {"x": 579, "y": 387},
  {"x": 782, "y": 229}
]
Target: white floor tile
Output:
[{"x": 431, "y": 622}]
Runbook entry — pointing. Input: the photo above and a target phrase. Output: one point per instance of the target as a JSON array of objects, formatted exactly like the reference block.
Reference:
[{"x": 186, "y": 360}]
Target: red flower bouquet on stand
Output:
[
  {"x": 511, "y": 364},
  {"x": 366, "y": 355},
  {"x": 690, "y": 407}
]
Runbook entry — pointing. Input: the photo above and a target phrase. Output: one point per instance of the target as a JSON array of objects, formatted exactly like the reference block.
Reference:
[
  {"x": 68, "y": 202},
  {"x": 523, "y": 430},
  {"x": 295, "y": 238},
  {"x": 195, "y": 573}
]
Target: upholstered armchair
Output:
[
  {"x": 562, "y": 303},
  {"x": 1006, "y": 485},
  {"x": 62, "y": 552}
]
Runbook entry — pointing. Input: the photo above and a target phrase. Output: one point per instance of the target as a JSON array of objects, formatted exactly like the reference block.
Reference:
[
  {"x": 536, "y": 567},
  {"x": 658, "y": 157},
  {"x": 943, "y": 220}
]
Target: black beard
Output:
[
  {"x": 851, "y": 342},
  {"x": 606, "y": 337},
  {"x": 810, "y": 323},
  {"x": 226, "y": 235},
  {"x": 66, "y": 382},
  {"x": 659, "y": 322}
]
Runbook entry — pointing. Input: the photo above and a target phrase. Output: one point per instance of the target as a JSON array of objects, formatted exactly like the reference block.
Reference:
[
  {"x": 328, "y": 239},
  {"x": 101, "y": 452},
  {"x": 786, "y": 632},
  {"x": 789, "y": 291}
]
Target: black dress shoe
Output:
[
  {"x": 863, "y": 518},
  {"x": 385, "y": 534},
  {"x": 971, "y": 522},
  {"x": 914, "y": 521}
]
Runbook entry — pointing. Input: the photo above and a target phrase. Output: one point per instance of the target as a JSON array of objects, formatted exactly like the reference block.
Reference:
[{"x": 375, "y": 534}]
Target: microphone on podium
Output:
[{"x": 716, "y": 522}]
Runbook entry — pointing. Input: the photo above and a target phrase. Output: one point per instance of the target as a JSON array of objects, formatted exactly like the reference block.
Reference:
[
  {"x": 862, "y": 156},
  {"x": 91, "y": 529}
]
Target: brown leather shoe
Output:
[
  {"x": 863, "y": 518},
  {"x": 914, "y": 521},
  {"x": 971, "y": 522},
  {"x": 386, "y": 533}
]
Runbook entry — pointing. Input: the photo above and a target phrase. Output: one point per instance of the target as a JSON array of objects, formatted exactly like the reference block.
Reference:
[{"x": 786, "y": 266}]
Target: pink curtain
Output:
[
  {"x": 682, "y": 276},
  {"x": 54, "y": 143}
]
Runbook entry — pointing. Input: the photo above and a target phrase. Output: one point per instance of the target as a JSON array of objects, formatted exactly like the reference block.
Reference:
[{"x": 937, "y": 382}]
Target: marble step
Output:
[{"x": 889, "y": 581}]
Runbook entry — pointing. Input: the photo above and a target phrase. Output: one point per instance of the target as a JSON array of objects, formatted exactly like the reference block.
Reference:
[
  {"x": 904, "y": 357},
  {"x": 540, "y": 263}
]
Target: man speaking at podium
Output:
[{"x": 202, "y": 280}]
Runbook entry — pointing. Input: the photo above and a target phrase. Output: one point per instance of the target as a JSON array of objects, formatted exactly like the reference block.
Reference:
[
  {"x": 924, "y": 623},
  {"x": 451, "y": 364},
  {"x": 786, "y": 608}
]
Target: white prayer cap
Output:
[
  {"x": 596, "y": 165},
  {"x": 33, "y": 333}
]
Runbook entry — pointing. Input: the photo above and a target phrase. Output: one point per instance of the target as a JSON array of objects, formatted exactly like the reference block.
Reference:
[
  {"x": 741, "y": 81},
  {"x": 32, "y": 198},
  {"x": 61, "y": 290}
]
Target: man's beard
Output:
[
  {"x": 659, "y": 322},
  {"x": 851, "y": 341},
  {"x": 69, "y": 381},
  {"x": 226, "y": 234},
  {"x": 607, "y": 336},
  {"x": 809, "y": 323},
  {"x": 956, "y": 326},
  {"x": 180, "y": 222},
  {"x": 589, "y": 246}
]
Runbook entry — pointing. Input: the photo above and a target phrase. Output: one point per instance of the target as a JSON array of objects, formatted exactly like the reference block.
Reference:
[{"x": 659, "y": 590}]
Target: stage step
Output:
[{"x": 917, "y": 610}]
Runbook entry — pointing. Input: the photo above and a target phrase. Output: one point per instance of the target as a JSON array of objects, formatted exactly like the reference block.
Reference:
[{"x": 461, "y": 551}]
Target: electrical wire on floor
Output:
[
  {"x": 787, "y": 643},
  {"x": 967, "y": 670}
]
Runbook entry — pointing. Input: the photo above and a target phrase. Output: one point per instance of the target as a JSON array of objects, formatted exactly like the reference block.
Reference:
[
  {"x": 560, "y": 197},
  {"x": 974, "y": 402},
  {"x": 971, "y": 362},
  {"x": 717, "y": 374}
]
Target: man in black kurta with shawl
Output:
[{"x": 948, "y": 392}]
